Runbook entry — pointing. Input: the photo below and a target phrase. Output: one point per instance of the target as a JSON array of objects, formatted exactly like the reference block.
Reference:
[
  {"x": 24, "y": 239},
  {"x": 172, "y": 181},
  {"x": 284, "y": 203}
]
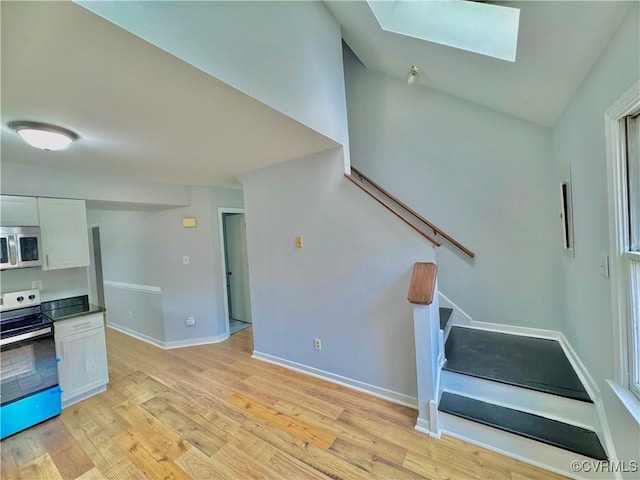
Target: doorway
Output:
[{"x": 236, "y": 269}]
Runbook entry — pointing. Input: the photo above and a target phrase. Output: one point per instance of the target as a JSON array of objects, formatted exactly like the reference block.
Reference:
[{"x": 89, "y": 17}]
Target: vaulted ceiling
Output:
[
  {"x": 163, "y": 120},
  {"x": 558, "y": 43}
]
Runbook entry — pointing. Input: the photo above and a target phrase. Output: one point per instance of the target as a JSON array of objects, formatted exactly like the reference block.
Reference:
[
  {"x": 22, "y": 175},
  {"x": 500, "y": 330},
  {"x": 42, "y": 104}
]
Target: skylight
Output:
[{"x": 482, "y": 28}]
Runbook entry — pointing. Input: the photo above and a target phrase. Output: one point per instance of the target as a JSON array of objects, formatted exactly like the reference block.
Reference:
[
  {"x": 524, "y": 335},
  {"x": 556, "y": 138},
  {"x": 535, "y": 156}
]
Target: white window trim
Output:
[{"x": 618, "y": 227}]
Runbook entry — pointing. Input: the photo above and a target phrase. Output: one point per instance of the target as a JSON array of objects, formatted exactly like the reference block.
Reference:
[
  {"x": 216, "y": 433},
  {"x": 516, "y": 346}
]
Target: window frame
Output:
[{"x": 620, "y": 254}]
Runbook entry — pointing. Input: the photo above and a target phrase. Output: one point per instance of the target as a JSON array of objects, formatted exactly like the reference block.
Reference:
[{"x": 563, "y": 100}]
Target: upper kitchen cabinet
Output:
[
  {"x": 18, "y": 211},
  {"x": 63, "y": 228}
]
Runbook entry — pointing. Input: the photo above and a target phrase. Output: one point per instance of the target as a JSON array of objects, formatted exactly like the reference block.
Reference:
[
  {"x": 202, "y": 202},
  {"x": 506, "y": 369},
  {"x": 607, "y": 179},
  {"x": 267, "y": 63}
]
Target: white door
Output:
[{"x": 238, "y": 267}]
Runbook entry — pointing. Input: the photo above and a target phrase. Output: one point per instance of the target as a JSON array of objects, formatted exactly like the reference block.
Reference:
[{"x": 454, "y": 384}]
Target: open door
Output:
[{"x": 237, "y": 267}]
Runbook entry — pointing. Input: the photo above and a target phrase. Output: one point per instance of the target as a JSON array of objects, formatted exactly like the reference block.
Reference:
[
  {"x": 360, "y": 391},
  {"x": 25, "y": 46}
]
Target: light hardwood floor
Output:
[{"x": 213, "y": 412}]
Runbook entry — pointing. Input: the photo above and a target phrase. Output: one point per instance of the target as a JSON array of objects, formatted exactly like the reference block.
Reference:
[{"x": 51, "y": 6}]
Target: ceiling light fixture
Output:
[
  {"x": 414, "y": 72},
  {"x": 43, "y": 135}
]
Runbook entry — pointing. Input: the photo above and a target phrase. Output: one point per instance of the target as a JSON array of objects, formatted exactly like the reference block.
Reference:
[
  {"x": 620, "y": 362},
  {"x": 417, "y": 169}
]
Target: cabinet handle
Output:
[{"x": 47, "y": 257}]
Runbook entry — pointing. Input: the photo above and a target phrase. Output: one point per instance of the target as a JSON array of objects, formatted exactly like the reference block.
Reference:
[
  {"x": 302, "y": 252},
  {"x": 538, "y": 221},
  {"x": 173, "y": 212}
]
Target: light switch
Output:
[
  {"x": 185, "y": 260},
  {"x": 299, "y": 242}
]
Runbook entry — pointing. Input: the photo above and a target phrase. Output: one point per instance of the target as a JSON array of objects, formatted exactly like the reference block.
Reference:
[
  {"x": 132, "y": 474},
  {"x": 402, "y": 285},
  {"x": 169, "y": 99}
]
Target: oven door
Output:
[{"x": 27, "y": 363}]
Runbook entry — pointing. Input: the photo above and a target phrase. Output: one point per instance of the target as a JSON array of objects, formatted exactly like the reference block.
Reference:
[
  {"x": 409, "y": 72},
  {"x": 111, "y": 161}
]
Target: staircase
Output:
[
  {"x": 515, "y": 394},
  {"x": 518, "y": 394}
]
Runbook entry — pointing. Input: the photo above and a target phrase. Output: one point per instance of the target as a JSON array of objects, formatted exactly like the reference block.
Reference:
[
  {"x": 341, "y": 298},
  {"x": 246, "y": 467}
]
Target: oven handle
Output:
[
  {"x": 26, "y": 336},
  {"x": 13, "y": 250}
]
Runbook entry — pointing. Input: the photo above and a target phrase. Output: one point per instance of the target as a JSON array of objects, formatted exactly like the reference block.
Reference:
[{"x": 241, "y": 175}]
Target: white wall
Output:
[
  {"x": 347, "y": 286},
  {"x": 35, "y": 181},
  {"x": 484, "y": 177},
  {"x": 146, "y": 248},
  {"x": 579, "y": 141},
  {"x": 56, "y": 284},
  {"x": 284, "y": 54}
]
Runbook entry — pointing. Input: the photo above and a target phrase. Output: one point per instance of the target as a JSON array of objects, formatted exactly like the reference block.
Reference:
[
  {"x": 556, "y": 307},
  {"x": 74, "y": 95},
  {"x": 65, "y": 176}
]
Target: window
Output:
[
  {"x": 631, "y": 253},
  {"x": 622, "y": 122}
]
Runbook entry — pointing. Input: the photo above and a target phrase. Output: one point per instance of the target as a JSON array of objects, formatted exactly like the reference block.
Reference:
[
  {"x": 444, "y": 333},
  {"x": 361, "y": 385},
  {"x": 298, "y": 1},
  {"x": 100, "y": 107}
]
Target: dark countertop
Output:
[{"x": 66, "y": 308}]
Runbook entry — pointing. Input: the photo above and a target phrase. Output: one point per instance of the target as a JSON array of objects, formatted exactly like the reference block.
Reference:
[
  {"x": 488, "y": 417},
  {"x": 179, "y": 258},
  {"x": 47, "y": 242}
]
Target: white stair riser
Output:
[
  {"x": 521, "y": 448},
  {"x": 565, "y": 410}
]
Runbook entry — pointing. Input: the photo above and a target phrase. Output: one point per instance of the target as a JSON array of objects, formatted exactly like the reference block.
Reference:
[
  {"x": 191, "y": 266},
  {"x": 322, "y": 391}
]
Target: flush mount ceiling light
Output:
[
  {"x": 43, "y": 135},
  {"x": 414, "y": 72}
]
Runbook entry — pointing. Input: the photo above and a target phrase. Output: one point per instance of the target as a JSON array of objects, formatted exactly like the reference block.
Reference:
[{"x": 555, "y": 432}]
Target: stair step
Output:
[
  {"x": 445, "y": 314},
  {"x": 552, "y": 432},
  {"x": 528, "y": 362}
]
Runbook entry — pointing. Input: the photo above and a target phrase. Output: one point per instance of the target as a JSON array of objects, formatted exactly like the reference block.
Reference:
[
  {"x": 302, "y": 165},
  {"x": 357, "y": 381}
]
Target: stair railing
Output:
[
  {"x": 423, "y": 295},
  {"x": 436, "y": 231}
]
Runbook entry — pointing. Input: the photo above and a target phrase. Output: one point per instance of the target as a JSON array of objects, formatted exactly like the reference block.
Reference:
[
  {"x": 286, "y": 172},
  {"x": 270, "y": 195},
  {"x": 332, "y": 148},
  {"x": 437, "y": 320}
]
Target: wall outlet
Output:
[
  {"x": 317, "y": 344},
  {"x": 36, "y": 284},
  {"x": 130, "y": 313},
  {"x": 190, "y": 322}
]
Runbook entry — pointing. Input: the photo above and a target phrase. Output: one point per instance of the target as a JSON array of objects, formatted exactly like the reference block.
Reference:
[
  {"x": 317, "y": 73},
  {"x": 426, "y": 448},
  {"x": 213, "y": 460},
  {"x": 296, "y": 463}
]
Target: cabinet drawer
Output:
[{"x": 63, "y": 328}]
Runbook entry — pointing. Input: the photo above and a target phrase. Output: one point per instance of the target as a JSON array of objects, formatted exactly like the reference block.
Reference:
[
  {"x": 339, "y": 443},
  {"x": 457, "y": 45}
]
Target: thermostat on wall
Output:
[{"x": 189, "y": 222}]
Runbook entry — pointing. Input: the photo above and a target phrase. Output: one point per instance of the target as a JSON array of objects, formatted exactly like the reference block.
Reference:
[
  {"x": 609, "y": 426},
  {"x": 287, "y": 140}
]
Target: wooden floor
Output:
[{"x": 212, "y": 412}]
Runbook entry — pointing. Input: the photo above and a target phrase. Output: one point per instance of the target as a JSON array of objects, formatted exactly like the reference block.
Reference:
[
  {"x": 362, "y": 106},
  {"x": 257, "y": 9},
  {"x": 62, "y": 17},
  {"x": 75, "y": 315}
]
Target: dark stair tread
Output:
[
  {"x": 445, "y": 313},
  {"x": 535, "y": 363},
  {"x": 552, "y": 432}
]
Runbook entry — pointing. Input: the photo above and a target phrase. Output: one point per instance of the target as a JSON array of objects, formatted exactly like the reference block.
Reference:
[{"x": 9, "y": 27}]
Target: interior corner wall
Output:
[
  {"x": 484, "y": 177},
  {"x": 287, "y": 55},
  {"x": 146, "y": 248},
  {"x": 579, "y": 141},
  {"x": 347, "y": 286}
]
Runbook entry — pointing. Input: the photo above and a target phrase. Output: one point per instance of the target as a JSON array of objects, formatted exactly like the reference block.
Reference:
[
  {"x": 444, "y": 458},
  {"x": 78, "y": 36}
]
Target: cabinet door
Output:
[
  {"x": 83, "y": 362},
  {"x": 18, "y": 211},
  {"x": 63, "y": 229}
]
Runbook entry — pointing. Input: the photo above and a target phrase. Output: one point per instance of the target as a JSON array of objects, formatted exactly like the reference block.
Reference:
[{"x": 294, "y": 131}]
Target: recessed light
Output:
[{"x": 43, "y": 135}]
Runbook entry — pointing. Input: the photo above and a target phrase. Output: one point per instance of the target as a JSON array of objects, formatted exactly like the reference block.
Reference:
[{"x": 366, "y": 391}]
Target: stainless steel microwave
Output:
[{"x": 20, "y": 247}]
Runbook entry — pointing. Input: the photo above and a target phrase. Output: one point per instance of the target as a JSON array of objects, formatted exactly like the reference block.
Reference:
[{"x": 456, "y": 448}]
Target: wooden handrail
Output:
[
  {"x": 435, "y": 229},
  {"x": 393, "y": 210},
  {"x": 423, "y": 283}
]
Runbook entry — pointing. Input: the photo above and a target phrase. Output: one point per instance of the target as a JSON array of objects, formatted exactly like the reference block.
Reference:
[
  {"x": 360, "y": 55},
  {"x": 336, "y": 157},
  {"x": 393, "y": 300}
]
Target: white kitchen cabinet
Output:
[
  {"x": 18, "y": 211},
  {"x": 82, "y": 354},
  {"x": 64, "y": 235}
]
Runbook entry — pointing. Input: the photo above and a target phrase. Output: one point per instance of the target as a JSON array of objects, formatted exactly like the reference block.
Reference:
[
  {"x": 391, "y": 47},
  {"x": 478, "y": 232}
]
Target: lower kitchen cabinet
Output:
[{"x": 82, "y": 354}]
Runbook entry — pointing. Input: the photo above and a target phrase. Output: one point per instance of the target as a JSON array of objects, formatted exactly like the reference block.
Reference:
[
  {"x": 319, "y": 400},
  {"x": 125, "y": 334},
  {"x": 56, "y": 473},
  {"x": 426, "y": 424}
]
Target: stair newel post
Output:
[{"x": 426, "y": 321}]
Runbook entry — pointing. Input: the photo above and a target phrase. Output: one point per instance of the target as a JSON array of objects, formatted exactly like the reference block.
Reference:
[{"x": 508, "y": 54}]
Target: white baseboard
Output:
[
  {"x": 459, "y": 316},
  {"x": 191, "y": 342},
  {"x": 132, "y": 333},
  {"x": 516, "y": 330},
  {"x": 521, "y": 448},
  {"x": 423, "y": 426},
  {"x": 373, "y": 390},
  {"x": 566, "y": 410}
]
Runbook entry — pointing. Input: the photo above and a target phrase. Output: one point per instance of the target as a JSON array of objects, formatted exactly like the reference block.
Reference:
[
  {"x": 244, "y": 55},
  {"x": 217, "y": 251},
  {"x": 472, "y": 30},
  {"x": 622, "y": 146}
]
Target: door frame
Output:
[
  {"x": 92, "y": 268},
  {"x": 225, "y": 290}
]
